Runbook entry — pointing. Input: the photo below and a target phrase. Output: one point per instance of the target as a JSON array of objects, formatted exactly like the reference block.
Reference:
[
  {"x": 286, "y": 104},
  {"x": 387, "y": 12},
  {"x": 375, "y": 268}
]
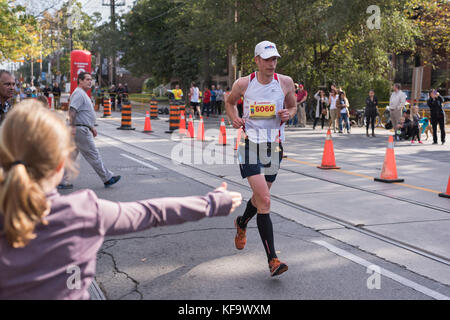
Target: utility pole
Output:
[
  {"x": 58, "y": 52},
  {"x": 113, "y": 4}
]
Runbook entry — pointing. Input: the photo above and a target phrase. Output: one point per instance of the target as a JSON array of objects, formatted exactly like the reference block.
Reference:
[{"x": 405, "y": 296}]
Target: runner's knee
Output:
[{"x": 264, "y": 203}]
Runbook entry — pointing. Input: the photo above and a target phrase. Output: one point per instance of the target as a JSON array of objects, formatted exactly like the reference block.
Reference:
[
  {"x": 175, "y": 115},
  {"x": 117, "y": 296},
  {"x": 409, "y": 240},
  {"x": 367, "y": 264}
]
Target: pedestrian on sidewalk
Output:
[
  {"x": 371, "y": 112},
  {"x": 266, "y": 94},
  {"x": 49, "y": 242},
  {"x": 435, "y": 103},
  {"x": 82, "y": 122},
  {"x": 321, "y": 108}
]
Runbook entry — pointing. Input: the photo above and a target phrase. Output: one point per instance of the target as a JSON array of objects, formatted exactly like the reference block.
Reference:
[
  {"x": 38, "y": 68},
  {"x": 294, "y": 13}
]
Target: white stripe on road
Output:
[
  {"x": 139, "y": 161},
  {"x": 384, "y": 272}
]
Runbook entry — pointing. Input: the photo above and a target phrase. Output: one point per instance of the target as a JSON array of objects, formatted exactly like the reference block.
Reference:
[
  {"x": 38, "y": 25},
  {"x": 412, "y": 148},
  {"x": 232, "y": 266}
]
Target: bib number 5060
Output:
[{"x": 265, "y": 108}]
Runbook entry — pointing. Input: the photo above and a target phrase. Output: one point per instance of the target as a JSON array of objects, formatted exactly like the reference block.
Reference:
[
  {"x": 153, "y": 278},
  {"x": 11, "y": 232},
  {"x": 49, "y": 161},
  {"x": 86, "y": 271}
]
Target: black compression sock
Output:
[
  {"x": 249, "y": 213},
  {"x": 266, "y": 232}
]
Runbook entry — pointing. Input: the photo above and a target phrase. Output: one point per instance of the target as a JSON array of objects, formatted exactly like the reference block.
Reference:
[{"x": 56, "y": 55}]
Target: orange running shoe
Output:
[
  {"x": 276, "y": 267},
  {"x": 241, "y": 239}
]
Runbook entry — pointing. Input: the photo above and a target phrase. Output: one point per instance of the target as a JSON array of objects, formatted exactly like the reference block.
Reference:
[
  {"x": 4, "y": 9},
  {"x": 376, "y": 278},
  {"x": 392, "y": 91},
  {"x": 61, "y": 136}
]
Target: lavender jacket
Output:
[{"x": 78, "y": 224}]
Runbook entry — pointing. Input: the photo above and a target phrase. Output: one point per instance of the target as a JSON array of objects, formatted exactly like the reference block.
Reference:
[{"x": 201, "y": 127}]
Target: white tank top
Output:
[
  {"x": 333, "y": 102},
  {"x": 261, "y": 106},
  {"x": 194, "y": 97}
]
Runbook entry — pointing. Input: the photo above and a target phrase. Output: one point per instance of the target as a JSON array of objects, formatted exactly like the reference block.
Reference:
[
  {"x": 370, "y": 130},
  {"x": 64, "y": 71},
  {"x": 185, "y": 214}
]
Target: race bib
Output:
[{"x": 262, "y": 110}]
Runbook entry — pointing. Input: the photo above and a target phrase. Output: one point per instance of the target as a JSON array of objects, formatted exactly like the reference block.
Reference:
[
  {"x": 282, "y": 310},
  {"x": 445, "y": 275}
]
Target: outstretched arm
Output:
[{"x": 117, "y": 218}]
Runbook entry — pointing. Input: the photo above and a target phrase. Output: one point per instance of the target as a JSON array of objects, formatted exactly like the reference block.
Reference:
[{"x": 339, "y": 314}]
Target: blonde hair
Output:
[{"x": 33, "y": 143}]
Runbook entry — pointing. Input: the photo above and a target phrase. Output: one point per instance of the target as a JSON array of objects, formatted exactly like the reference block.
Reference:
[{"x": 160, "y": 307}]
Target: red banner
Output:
[{"x": 80, "y": 61}]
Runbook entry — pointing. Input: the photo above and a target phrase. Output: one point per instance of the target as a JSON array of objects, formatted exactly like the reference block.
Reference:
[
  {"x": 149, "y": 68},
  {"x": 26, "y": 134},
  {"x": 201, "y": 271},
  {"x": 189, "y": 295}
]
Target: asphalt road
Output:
[{"x": 326, "y": 259}]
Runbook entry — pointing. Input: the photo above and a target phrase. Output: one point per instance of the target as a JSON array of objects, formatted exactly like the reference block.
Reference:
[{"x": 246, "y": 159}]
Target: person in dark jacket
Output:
[
  {"x": 437, "y": 115},
  {"x": 371, "y": 112}
]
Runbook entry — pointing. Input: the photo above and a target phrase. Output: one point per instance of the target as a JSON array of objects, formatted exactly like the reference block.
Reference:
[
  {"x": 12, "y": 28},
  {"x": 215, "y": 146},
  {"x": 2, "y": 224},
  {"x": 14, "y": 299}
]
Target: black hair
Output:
[{"x": 81, "y": 76}]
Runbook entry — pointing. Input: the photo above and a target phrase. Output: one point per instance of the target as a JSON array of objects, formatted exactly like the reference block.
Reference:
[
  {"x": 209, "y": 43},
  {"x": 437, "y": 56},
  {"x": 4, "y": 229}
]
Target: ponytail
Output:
[
  {"x": 40, "y": 139},
  {"x": 23, "y": 205}
]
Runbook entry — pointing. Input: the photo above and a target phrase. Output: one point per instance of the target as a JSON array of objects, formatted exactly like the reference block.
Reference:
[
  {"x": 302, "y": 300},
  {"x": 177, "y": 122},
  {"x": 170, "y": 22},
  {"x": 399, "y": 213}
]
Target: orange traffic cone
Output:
[
  {"x": 238, "y": 139},
  {"x": 190, "y": 132},
  {"x": 182, "y": 123},
  {"x": 389, "y": 171},
  {"x": 328, "y": 160},
  {"x": 223, "y": 133},
  {"x": 446, "y": 194},
  {"x": 201, "y": 130},
  {"x": 148, "y": 125}
]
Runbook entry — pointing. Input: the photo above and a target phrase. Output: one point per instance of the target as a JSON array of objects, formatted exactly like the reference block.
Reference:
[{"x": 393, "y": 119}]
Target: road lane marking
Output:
[
  {"x": 408, "y": 283},
  {"x": 365, "y": 176},
  {"x": 139, "y": 161}
]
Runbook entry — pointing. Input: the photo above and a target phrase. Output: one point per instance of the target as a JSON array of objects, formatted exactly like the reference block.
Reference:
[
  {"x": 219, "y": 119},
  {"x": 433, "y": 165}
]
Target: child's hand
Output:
[{"x": 236, "y": 197}]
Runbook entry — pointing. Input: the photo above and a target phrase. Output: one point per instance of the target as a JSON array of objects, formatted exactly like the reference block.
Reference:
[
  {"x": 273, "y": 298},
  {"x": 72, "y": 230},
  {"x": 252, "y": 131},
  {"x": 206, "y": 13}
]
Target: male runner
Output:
[{"x": 269, "y": 102}]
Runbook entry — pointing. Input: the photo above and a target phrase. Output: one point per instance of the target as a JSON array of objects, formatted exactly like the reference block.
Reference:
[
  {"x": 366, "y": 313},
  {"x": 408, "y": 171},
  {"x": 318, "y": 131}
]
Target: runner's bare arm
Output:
[
  {"x": 287, "y": 84},
  {"x": 237, "y": 91}
]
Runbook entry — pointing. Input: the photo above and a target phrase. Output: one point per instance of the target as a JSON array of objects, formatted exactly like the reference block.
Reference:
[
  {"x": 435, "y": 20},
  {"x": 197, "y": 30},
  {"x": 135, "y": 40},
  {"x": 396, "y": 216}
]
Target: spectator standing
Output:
[
  {"x": 194, "y": 98},
  {"x": 416, "y": 124},
  {"x": 219, "y": 99},
  {"x": 206, "y": 101},
  {"x": 125, "y": 87},
  {"x": 302, "y": 95},
  {"x": 213, "y": 99},
  {"x": 396, "y": 105},
  {"x": 112, "y": 96},
  {"x": 56, "y": 90},
  {"x": 178, "y": 94},
  {"x": 371, "y": 112},
  {"x": 332, "y": 100},
  {"x": 120, "y": 95},
  {"x": 46, "y": 91},
  {"x": 321, "y": 108},
  {"x": 343, "y": 112},
  {"x": 435, "y": 102}
]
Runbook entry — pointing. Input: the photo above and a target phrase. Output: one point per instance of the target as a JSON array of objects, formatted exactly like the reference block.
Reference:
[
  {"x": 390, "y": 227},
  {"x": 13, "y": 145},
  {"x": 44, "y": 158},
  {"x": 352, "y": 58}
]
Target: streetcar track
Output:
[
  {"x": 379, "y": 193},
  {"x": 358, "y": 228}
]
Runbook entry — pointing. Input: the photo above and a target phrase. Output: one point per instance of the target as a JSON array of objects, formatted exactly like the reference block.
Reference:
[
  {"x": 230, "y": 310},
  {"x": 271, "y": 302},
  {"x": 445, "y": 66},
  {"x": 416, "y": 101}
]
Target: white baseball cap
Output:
[{"x": 266, "y": 49}]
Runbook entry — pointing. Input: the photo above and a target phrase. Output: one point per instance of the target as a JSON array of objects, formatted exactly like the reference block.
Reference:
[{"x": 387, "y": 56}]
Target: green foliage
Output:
[
  {"x": 18, "y": 36},
  {"x": 321, "y": 41}
]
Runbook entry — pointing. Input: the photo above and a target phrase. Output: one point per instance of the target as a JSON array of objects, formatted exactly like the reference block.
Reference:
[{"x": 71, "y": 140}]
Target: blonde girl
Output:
[{"x": 44, "y": 234}]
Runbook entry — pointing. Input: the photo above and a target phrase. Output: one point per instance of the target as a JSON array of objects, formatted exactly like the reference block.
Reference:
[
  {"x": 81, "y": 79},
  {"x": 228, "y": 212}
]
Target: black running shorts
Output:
[{"x": 260, "y": 158}]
